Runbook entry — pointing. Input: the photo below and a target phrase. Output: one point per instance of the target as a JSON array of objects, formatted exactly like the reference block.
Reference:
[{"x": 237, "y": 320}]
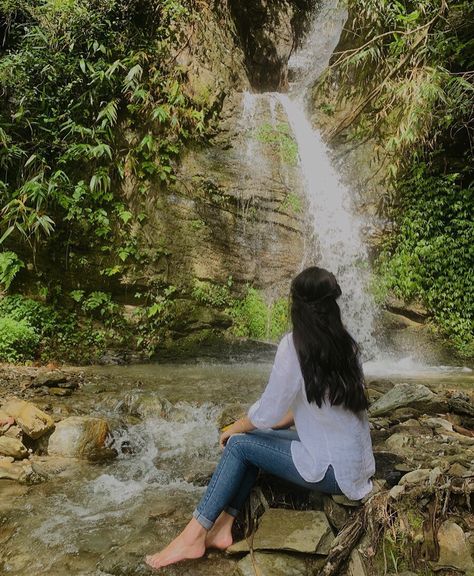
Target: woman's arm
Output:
[
  {"x": 287, "y": 421},
  {"x": 238, "y": 427}
]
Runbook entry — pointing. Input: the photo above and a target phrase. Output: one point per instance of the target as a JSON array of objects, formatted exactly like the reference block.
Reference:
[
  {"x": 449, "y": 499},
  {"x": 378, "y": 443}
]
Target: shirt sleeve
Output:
[{"x": 282, "y": 387}]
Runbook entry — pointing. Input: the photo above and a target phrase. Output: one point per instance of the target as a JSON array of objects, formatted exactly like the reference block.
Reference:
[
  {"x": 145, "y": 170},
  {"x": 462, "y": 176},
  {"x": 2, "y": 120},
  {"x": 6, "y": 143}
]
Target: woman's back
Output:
[{"x": 329, "y": 435}]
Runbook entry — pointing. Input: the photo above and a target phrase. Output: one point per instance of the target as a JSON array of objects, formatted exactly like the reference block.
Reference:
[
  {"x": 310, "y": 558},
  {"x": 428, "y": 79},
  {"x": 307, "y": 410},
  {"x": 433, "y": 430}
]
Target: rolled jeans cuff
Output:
[
  {"x": 205, "y": 523},
  {"x": 232, "y": 511}
]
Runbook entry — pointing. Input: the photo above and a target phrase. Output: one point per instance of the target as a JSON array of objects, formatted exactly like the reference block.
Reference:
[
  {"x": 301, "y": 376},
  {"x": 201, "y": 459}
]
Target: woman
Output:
[{"x": 316, "y": 383}]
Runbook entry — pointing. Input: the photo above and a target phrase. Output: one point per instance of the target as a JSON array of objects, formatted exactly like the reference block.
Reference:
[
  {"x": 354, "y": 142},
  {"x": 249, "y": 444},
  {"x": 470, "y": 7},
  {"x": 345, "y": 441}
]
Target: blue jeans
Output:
[{"x": 236, "y": 473}]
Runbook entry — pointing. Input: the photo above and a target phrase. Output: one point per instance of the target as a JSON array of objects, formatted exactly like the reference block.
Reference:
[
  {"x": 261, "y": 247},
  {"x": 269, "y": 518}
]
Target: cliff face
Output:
[{"x": 231, "y": 212}]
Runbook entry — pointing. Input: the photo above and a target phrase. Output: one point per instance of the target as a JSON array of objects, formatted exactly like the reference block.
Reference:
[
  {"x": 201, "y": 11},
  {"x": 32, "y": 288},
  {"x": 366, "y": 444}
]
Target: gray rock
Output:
[
  {"x": 453, "y": 548},
  {"x": 336, "y": 513},
  {"x": 438, "y": 423},
  {"x": 266, "y": 564},
  {"x": 356, "y": 564},
  {"x": 49, "y": 378},
  {"x": 396, "y": 492},
  {"x": 398, "y": 442},
  {"x": 406, "y": 395},
  {"x": 294, "y": 530},
  {"x": 415, "y": 477}
]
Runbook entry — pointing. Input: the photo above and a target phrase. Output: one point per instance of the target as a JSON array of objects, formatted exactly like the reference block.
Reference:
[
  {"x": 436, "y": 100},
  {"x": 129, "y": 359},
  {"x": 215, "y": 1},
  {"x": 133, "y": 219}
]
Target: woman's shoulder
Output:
[{"x": 286, "y": 350}]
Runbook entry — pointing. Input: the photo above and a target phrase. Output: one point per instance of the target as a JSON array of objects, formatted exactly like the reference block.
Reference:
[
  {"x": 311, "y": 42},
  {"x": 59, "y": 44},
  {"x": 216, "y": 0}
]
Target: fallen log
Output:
[{"x": 344, "y": 542}]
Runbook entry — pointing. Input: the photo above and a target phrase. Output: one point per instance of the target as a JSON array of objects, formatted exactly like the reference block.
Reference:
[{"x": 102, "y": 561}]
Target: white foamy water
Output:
[
  {"x": 311, "y": 59},
  {"x": 336, "y": 228}
]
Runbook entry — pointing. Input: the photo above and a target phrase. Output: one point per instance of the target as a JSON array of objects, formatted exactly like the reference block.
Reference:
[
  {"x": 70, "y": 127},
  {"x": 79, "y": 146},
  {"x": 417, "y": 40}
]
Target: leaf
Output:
[
  {"x": 125, "y": 216},
  {"x": 7, "y": 233}
]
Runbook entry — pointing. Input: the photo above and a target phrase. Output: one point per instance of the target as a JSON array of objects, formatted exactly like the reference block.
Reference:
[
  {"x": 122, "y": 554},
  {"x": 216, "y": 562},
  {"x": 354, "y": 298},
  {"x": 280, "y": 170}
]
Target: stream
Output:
[{"x": 100, "y": 519}]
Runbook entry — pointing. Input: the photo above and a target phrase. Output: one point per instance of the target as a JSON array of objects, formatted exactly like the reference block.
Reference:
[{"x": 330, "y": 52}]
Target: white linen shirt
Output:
[{"x": 327, "y": 435}]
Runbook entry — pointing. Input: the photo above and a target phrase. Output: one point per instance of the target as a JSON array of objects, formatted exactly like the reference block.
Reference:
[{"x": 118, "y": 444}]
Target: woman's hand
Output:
[
  {"x": 226, "y": 434},
  {"x": 239, "y": 427}
]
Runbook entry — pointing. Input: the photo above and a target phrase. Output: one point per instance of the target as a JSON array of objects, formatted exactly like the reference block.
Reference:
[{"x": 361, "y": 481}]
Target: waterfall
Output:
[
  {"x": 335, "y": 241},
  {"x": 335, "y": 225}
]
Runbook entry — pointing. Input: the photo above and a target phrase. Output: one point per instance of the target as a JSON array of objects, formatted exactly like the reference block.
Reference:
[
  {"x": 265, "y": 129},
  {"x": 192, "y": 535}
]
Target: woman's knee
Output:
[{"x": 235, "y": 441}]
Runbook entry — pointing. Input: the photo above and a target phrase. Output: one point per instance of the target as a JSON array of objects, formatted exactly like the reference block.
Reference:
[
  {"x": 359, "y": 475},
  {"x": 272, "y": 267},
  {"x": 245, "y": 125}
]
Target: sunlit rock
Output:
[
  {"x": 33, "y": 421},
  {"x": 401, "y": 395},
  {"x": 12, "y": 447},
  {"x": 82, "y": 437}
]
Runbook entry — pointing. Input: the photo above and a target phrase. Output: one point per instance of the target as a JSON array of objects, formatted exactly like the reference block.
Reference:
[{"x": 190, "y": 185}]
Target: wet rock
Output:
[
  {"x": 81, "y": 437},
  {"x": 33, "y": 421},
  {"x": 162, "y": 510},
  {"x": 145, "y": 405},
  {"x": 266, "y": 564},
  {"x": 453, "y": 548},
  {"x": 335, "y": 513},
  {"x": 49, "y": 378},
  {"x": 14, "y": 432},
  {"x": 297, "y": 531},
  {"x": 18, "y": 471},
  {"x": 356, "y": 564},
  {"x": 230, "y": 414},
  {"x": 60, "y": 391},
  {"x": 201, "y": 477},
  {"x": 12, "y": 447},
  {"x": 407, "y": 395}
]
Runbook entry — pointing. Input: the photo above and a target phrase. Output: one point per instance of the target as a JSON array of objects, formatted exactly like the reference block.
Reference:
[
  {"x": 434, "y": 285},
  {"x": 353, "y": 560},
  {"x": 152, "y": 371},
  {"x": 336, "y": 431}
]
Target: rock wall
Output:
[{"x": 228, "y": 214}]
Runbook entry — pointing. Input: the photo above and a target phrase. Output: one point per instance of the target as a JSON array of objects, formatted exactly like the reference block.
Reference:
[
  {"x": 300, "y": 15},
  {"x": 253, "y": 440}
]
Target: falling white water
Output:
[{"x": 336, "y": 226}]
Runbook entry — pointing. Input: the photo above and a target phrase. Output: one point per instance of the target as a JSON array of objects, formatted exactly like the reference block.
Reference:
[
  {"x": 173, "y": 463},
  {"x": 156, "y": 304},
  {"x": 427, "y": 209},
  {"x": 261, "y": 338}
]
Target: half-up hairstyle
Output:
[{"x": 328, "y": 355}]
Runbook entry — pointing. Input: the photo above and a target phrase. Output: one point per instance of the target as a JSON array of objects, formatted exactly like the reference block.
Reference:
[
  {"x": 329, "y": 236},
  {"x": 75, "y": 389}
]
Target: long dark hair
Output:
[{"x": 328, "y": 355}]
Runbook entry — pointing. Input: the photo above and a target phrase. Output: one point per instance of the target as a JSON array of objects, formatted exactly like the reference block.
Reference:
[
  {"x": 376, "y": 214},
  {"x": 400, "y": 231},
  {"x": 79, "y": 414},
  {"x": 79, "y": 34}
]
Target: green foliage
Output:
[
  {"x": 90, "y": 95},
  {"x": 254, "y": 318},
  {"x": 293, "y": 202},
  {"x": 431, "y": 256},
  {"x": 405, "y": 83},
  {"x": 215, "y": 295},
  {"x": 18, "y": 341},
  {"x": 281, "y": 141},
  {"x": 41, "y": 318},
  {"x": 409, "y": 74},
  {"x": 59, "y": 334},
  {"x": 10, "y": 265}
]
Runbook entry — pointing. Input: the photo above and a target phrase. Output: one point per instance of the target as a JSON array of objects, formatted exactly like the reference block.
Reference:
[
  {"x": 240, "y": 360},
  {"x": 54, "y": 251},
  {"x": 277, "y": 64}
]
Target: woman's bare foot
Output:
[
  {"x": 220, "y": 535},
  {"x": 7, "y": 421},
  {"x": 190, "y": 544}
]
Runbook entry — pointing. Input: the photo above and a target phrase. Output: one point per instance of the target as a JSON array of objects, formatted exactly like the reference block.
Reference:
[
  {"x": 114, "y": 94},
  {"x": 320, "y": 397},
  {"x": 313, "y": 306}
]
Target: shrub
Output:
[{"x": 18, "y": 340}]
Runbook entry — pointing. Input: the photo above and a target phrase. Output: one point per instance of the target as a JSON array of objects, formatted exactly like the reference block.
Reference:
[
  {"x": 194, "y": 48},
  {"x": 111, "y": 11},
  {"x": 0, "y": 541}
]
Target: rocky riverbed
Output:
[{"x": 100, "y": 466}]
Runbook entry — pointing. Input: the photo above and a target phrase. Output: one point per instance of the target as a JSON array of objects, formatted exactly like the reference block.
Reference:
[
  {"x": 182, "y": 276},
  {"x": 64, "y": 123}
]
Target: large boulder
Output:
[
  {"x": 82, "y": 437},
  {"x": 33, "y": 421},
  {"x": 402, "y": 395},
  {"x": 12, "y": 447}
]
